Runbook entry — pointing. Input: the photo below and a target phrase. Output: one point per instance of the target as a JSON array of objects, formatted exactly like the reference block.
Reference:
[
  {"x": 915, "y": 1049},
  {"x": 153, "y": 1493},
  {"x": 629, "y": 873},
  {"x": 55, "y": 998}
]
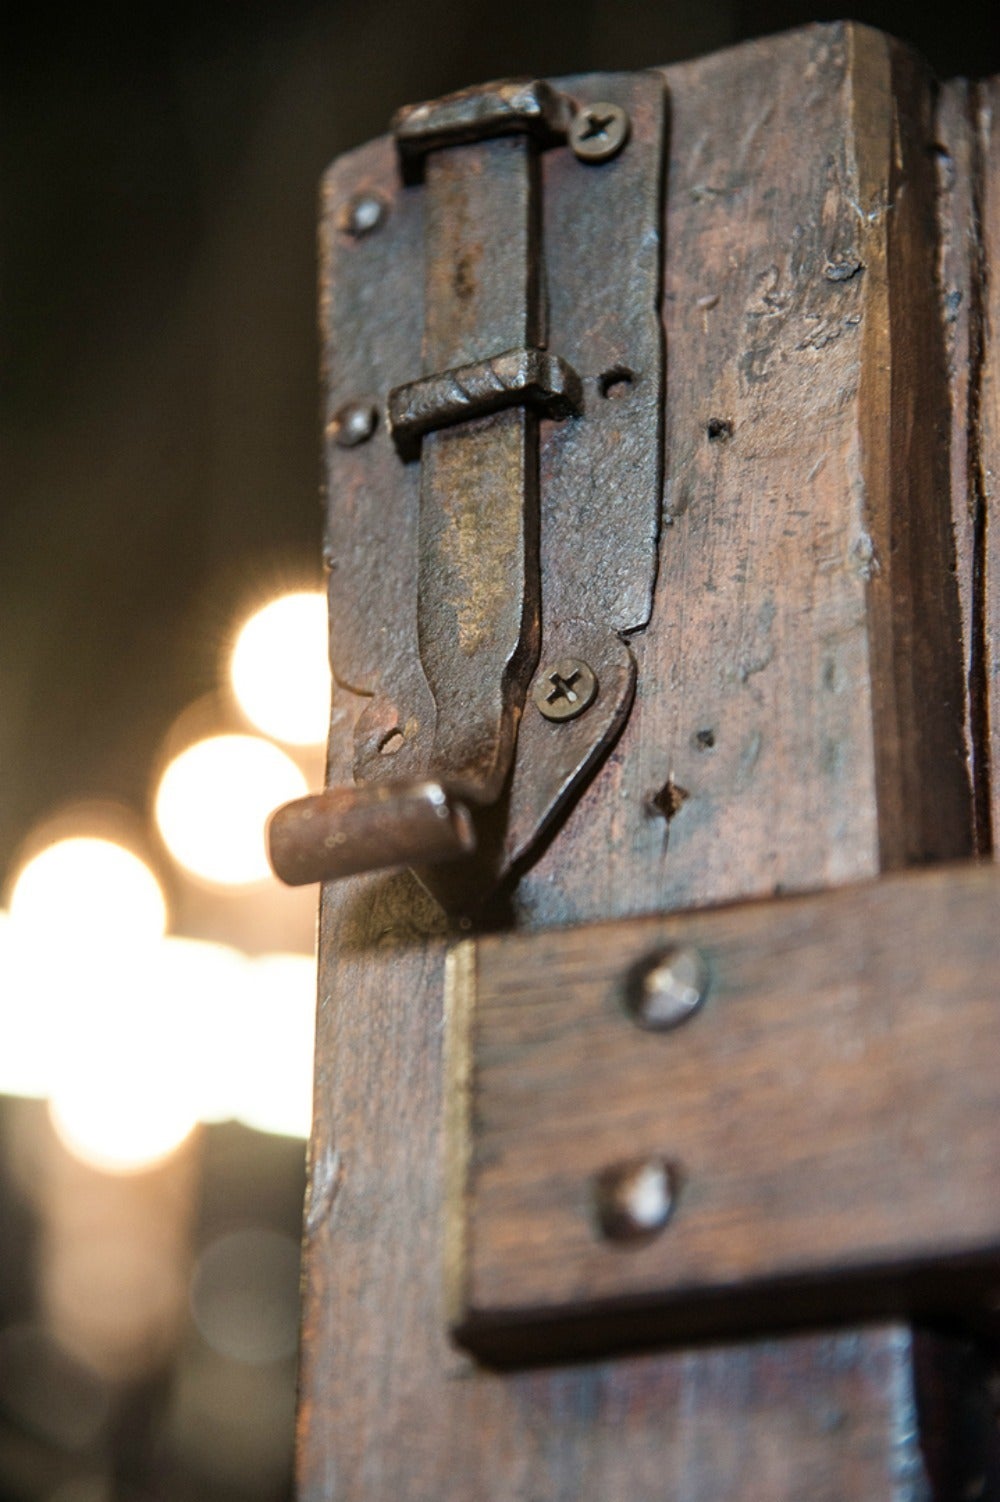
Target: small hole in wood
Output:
[
  {"x": 391, "y": 742},
  {"x": 668, "y": 801},
  {"x": 718, "y": 429},
  {"x": 615, "y": 383},
  {"x": 704, "y": 740}
]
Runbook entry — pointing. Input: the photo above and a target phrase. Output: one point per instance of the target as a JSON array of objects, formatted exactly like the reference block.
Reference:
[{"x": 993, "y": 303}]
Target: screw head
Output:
[
  {"x": 564, "y": 689},
  {"x": 634, "y": 1200},
  {"x": 598, "y": 132},
  {"x": 361, "y": 214},
  {"x": 352, "y": 424},
  {"x": 666, "y": 989}
]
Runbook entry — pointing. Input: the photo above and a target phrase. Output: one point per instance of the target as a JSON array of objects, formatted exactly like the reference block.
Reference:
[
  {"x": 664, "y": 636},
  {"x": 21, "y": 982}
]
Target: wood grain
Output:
[
  {"x": 960, "y": 290},
  {"x": 798, "y": 723},
  {"x": 832, "y": 1113},
  {"x": 985, "y": 466}
]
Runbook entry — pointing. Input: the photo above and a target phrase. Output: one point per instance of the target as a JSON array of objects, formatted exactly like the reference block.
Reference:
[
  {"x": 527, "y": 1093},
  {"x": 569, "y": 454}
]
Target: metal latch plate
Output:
[{"x": 599, "y": 356}]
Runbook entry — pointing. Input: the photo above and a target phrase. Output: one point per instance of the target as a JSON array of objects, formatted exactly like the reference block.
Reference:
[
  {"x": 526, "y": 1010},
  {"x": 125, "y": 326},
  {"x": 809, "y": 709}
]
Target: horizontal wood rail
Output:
[{"x": 675, "y": 1127}]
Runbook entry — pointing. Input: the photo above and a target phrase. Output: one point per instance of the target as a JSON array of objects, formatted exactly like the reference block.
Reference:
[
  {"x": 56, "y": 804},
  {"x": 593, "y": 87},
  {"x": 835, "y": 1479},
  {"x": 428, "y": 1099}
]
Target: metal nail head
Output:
[
  {"x": 564, "y": 689},
  {"x": 667, "y": 988},
  {"x": 352, "y": 424},
  {"x": 598, "y": 132},
  {"x": 635, "y": 1200},
  {"x": 361, "y": 214}
]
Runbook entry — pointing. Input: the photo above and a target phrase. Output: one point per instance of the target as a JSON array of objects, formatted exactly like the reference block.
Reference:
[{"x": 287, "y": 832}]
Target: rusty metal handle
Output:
[{"x": 345, "y": 831}]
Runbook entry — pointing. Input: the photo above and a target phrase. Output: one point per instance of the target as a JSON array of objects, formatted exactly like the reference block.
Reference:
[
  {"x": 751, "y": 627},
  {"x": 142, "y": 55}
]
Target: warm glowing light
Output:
[
  {"x": 81, "y": 891},
  {"x": 26, "y": 1033},
  {"x": 122, "y": 1129},
  {"x": 205, "y": 987},
  {"x": 213, "y": 802},
  {"x": 134, "y": 1036},
  {"x": 123, "y": 1094},
  {"x": 276, "y": 1045},
  {"x": 280, "y": 670}
]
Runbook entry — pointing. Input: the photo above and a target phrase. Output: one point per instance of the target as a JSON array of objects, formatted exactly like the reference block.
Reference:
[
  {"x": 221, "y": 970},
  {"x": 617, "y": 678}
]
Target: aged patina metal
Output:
[
  {"x": 353, "y": 424},
  {"x": 599, "y": 132},
  {"x": 529, "y": 377},
  {"x": 667, "y": 988},
  {"x": 510, "y": 107},
  {"x": 518, "y": 393},
  {"x": 477, "y": 590},
  {"x": 564, "y": 689},
  {"x": 361, "y": 214},
  {"x": 347, "y": 830},
  {"x": 634, "y": 1200}
]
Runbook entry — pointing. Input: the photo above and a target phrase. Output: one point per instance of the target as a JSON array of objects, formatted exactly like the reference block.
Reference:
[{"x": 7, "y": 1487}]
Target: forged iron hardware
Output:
[
  {"x": 353, "y": 424},
  {"x": 361, "y": 214},
  {"x": 565, "y": 689},
  {"x": 635, "y": 1200},
  {"x": 532, "y": 377},
  {"x": 492, "y": 375},
  {"x": 599, "y": 132},
  {"x": 348, "y": 830},
  {"x": 668, "y": 988},
  {"x": 511, "y": 107}
]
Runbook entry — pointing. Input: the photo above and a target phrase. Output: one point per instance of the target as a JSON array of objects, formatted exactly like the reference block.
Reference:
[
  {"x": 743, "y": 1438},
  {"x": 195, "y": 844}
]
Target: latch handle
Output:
[{"x": 348, "y": 830}]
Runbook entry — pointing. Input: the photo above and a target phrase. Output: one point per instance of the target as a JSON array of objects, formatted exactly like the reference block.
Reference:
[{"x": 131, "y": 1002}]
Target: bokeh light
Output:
[
  {"x": 124, "y": 1121},
  {"x": 275, "y": 1045},
  {"x": 123, "y": 1095},
  {"x": 133, "y": 1044},
  {"x": 84, "y": 891},
  {"x": 213, "y": 803},
  {"x": 26, "y": 1034},
  {"x": 245, "y": 1295},
  {"x": 205, "y": 986},
  {"x": 280, "y": 670}
]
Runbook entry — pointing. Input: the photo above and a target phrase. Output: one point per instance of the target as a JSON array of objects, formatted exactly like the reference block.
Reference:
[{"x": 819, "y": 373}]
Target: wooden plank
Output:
[
  {"x": 748, "y": 764},
  {"x": 960, "y": 284},
  {"x": 830, "y": 1115},
  {"x": 985, "y": 468}
]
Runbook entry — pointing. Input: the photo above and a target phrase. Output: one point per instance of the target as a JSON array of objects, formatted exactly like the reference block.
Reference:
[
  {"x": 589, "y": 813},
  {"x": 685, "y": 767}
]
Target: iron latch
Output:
[{"x": 495, "y": 394}]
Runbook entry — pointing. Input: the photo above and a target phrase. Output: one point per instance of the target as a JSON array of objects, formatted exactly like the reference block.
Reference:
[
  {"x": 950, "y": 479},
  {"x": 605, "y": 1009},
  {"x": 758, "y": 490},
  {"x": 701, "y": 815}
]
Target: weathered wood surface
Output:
[
  {"x": 799, "y": 723},
  {"x": 985, "y": 465},
  {"x": 831, "y": 1115},
  {"x": 968, "y": 161}
]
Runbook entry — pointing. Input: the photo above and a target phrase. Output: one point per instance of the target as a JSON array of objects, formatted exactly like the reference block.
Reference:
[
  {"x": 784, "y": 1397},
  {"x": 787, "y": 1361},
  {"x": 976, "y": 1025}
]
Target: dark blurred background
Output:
[{"x": 159, "y": 473}]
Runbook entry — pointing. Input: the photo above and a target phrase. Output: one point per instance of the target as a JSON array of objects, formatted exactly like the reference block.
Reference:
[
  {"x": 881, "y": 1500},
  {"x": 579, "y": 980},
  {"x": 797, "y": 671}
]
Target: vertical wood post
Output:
[{"x": 801, "y": 720}]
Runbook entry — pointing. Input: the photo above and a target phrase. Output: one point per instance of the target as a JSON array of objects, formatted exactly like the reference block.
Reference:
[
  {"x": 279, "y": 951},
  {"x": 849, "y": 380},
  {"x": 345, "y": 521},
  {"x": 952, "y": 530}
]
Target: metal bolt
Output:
[
  {"x": 565, "y": 689},
  {"x": 354, "y": 423},
  {"x": 598, "y": 132},
  {"x": 668, "y": 988},
  {"x": 361, "y": 214},
  {"x": 634, "y": 1200}
]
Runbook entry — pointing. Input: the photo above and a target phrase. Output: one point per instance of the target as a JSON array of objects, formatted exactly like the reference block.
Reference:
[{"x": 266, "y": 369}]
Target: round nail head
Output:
[
  {"x": 635, "y": 1200},
  {"x": 668, "y": 988},
  {"x": 352, "y": 424},
  {"x": 361, "y": 214}
]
